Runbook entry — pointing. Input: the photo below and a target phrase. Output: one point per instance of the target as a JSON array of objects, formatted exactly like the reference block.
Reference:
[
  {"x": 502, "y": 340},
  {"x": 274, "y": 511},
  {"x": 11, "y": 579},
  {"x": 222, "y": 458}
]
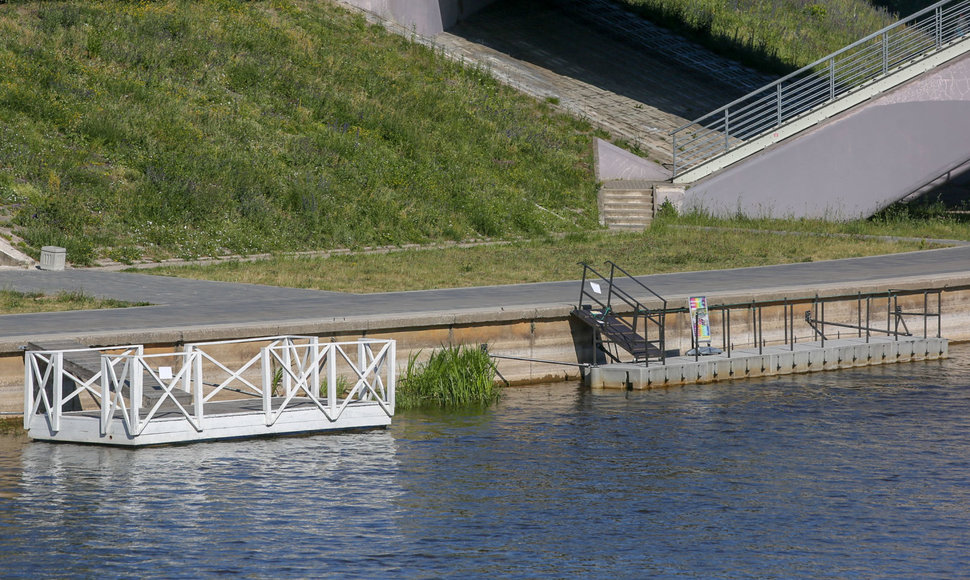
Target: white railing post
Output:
[
  {"x": 314, "y": 359},
  {"x": 58, "y": 382},
  {"x": 938, "y": 24},
  {"x": 186, "y": 385},
  {"x": 832, "y": 79},
  {"x": 778, "y": 101},
  {"x": 135, "y": 388},
  {"x": 727, "y": 130},
  {"x": 267, "y": 384},
  {"x": 107, "y": 401},
  {"x": 391, "y": 374},
  {"x": 28, "y": 388},
  {"x": 885, "y": 53},
  {"x": 288, "y": 364},
  {"x": 332, "y": 380},
  {"x": 195, "y": 360}
]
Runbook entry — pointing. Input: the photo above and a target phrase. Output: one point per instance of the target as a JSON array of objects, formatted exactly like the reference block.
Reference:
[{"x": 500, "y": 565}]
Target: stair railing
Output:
[{"x": 825, "y": 80}]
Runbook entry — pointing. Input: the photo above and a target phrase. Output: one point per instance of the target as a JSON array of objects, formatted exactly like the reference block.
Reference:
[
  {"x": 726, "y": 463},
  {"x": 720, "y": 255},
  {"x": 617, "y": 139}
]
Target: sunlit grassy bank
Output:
[
  {"x": 176, "y": 128},
  {"x": 776, "y": 35},
  {"x": 669, "y": 246}
]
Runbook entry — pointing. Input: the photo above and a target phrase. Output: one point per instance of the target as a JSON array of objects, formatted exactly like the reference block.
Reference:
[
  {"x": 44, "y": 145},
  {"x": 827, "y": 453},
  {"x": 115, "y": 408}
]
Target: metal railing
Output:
[
  {"x": 291, "y": 370},
  {"x": 53, "y": 389},
  {"x": 633, "y": 313},
  {"x": 825, "y": 80}
]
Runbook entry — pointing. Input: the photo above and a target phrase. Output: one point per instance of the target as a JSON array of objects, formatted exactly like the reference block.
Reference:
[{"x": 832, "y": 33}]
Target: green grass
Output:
[
  {"x": 176, "y": 128},
  {"x": 13, "y": 302},
  {"x": 454, "y": 377},
  {"x": 673, "y": 244},
  {"x": 774, "y": 35}
]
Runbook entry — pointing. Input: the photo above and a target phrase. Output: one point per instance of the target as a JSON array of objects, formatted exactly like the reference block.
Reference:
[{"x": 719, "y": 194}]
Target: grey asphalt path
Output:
[{"x": 180, "y": 304}]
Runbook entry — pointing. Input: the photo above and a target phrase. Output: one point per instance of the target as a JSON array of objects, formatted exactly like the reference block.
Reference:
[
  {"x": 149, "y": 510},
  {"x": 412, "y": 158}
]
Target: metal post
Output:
[
  {"x": 265, "y": 361},
  {"x": 729, "y": 332},
  {"x": 727, "y": 130},
  {"x": 314, "y": 356},
  {"x": 939, "y": 313},
  {"x": 778, "y": 102},
  {"x": 785, "y": 316},
  {"x": 135, "y": 380},
  {"x": 29, "y": 362},
  {"x": 926, "y": 299},
  {"x": 831, "y": 79},
  {"x": 868, "y": 316},
  {"x": 761, "y": 333},
  {"x": 332, "y": 380},
  {"x": 889, "y": 312},
  {"x": 791, "y": 313},
  {"x": 938, "y": 22},
  {"x": 885, "y": 53},
  {"x": 391, "y": 366},
  {"x": 859, "y": 313},
  {"x": 896, "y": 317},
  {"x": 195, "y": 360},
  {"x": 58, "y": 379},
  {"x": 822, "y": 323},
  {"x": 673, "y": 170}
]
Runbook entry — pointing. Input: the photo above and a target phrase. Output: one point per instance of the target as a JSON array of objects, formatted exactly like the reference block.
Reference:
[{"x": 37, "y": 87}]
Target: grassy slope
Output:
[
  {"x": 777, "y": 35},
  {"x": 213, "y": 126}
]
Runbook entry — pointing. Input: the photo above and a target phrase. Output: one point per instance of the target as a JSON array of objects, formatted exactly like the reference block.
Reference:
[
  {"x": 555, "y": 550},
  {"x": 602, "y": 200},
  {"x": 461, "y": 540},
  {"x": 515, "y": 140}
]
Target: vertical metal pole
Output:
[
  {"x": 859, "y": 313},
  {"x": 332, "y": 380},
  {"x": 938, "y": 22},
  {"x": 135, "y": 382},
  {"x": 889, "y": 312},
  {"x": 195, "y": 360},
  {"x": 778, "y": 103},
  {"x": 29, "y": 388},
  {"x": 832, "y": 79},
  {"x": 791, "y": 313},
  {"x": 784, "y": 315},
  {"x": 391, "y": 366},
  {"x": 314, "y": 356},
  {"x": 727, "y": 130},
  {"x": 106, "y": 402},
  {"x": 729, "y": 332},
  {"x": 939, "y": 313},
  {"x": 754, "y": 324},
  {"x": 896, "y": 316},
  {"x": 674, "y": 149},
  {"x": 58, "y": 378},
  {"x": 821, "y": 323},
  {"x": 265, "y": 360},
  {"x": 926, "y": 300},
  {"x": 868, "y": 317},
  {"x": 761, "y": 333},
  {"x": 885, "y": 53}
]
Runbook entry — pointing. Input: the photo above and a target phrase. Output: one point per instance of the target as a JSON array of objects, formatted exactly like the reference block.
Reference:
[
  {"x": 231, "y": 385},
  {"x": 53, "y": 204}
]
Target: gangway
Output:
[
  {"x": 619, "y": 321},
  {"x": 824, "y": 89},
  {"x": 273, "y": 386}
]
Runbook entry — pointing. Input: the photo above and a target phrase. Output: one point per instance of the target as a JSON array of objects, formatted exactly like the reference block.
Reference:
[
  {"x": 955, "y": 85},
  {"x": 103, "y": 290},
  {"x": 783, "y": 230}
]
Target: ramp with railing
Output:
[
  {"x": 274, "y": 386},
  {"x": 619, "y": 321},
  {"x": 871, "y": 66}
]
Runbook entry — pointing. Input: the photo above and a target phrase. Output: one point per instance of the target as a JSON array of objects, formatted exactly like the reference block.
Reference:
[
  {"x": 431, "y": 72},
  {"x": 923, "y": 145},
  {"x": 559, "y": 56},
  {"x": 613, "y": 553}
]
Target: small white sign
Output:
[
  {"x": 165, "y": 373},
  {"x": 595, "y": 287}
]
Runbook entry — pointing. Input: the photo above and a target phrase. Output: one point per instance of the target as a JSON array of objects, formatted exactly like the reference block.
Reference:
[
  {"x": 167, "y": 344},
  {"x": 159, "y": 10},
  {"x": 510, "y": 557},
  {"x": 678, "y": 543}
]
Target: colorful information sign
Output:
[{"x": 700, "y": 321}]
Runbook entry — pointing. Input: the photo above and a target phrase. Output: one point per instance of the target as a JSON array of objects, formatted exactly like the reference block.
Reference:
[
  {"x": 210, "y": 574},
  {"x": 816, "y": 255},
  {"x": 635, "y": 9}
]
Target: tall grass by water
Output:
[
  {"x": 774, "y": 35},
  {"x": 172, "y": 128},
  {"x": 453, "y": 377}
]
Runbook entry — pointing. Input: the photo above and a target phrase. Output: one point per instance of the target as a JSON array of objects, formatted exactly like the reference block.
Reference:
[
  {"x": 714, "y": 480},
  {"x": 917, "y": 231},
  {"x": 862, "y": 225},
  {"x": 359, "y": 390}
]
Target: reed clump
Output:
[{"x": 454, "y": 377}]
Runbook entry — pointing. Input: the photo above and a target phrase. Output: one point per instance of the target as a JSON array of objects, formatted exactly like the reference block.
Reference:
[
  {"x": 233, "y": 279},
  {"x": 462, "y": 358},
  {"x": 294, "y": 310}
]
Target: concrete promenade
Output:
[{"x": 199, "y": 310}]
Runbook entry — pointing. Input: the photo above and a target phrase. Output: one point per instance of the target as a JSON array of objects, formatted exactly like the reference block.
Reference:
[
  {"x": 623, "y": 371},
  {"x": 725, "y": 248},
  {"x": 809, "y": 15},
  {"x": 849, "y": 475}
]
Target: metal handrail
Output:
[{"x": 821, "y": 82}]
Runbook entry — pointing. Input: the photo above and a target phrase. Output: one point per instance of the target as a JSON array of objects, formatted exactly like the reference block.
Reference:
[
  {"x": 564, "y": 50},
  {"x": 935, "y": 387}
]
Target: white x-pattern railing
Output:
[
  {"x": 45, "y": 377},
  {"x": 289, "y": 369},
  {"x": 301, "y": 366}
]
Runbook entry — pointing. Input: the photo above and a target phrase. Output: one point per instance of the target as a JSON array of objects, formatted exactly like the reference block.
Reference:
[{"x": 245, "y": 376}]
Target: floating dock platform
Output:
[
  {"x": 287, "y": 385},
  {"x": 768, "y": 361}
]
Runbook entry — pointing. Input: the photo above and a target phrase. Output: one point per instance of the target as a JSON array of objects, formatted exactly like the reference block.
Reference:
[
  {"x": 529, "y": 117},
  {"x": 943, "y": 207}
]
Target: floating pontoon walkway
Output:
[
  {"x": 769, "y": 361},
  {"x": 275, "y": 386}
]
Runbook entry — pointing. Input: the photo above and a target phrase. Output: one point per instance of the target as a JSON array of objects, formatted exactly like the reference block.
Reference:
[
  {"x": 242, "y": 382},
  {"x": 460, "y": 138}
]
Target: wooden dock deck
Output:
[{"x": 285, "y": 385}]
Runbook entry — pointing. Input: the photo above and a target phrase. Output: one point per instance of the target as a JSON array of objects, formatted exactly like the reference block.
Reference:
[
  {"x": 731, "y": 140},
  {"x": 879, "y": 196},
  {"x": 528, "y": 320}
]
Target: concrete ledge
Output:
[{"x": 771, "y": 361}]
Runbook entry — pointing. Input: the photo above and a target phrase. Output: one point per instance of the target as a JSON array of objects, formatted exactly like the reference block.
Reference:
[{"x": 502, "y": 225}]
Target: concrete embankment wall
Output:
[
  {"x": 425, "y": 17},
  {"x": 546, "y": 333}
]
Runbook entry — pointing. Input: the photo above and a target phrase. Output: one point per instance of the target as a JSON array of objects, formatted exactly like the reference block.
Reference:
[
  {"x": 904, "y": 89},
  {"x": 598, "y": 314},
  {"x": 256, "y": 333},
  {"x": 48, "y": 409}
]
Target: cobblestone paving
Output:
[
  {"x": 636, "y": 80},
  {"x": 600, "y": 62}
]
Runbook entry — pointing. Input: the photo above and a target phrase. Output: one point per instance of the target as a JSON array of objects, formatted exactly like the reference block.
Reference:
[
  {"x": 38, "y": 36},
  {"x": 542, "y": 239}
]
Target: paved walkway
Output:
[{"x": 183, "y": 305}]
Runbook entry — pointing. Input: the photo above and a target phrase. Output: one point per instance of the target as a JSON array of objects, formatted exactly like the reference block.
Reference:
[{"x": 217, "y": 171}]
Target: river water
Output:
[{"x": 851, "y": 474}]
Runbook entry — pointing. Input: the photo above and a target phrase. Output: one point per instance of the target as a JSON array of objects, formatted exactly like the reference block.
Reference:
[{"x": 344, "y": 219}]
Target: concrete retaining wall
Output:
[
  {"x": 426, "y": 17},
  {"x": 547, "y": 333}
]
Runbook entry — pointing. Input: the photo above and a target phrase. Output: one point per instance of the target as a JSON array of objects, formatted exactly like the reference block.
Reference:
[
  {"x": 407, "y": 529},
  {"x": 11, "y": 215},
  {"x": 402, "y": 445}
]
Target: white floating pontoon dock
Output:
[{"x": 278, "y": 385}]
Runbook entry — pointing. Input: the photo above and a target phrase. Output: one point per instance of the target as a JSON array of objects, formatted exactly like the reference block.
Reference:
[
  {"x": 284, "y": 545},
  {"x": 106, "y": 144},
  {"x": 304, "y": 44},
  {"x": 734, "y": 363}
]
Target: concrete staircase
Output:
[{"x": 626, "y": 205}]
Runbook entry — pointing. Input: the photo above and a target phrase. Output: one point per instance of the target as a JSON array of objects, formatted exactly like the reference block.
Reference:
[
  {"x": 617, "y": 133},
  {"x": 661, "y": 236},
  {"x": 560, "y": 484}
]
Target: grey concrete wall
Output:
[
  {"x": 426, "y": 17},
  {"x": 857, "y": 163}
]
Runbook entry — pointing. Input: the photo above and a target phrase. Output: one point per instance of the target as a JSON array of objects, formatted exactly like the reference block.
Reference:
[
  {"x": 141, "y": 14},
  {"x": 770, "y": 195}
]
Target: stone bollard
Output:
[{"x": 52, "y": 258}]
